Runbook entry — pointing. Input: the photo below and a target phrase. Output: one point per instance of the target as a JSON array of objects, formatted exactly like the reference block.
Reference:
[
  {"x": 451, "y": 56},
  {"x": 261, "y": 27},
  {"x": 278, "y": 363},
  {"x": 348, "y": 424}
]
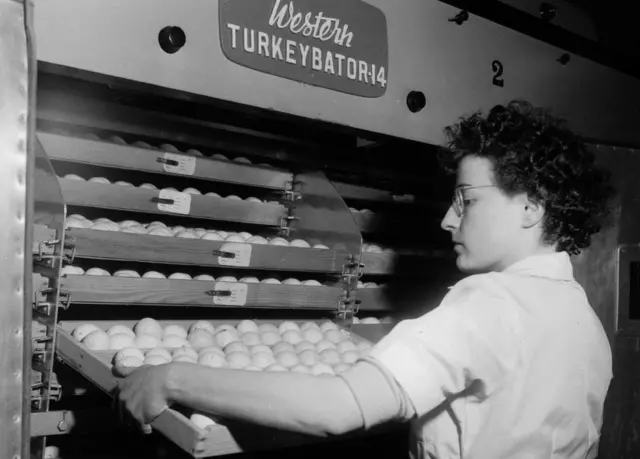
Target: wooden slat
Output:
[
  {"x": 140, "y": 200},
  {"x": 123, "y": 290},
  {"x": 108, "y": 245},
  {"x": 140, "y": 159}
]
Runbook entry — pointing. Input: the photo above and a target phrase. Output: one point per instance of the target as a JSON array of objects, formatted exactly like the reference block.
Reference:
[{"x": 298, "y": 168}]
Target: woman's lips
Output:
[{"x": 458, "y": 247}]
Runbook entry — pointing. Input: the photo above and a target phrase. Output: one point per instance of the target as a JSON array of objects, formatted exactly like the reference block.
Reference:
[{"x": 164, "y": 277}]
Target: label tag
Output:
[
  {"x": 179, "y": 164},
  {"x": 241, "y": 251},
  {"x": 174, "y": 202},
  {"x": 238, "y": 296}
]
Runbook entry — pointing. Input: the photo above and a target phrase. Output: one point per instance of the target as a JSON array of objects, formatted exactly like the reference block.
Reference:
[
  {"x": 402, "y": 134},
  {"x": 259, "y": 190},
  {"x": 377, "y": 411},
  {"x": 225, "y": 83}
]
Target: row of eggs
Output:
[
  {"x": 264, "y": 346},
  {"x": 158, "y": 228},
  {"x": 78, "y": 271},
  {"x": 172, "y": 149},
  {"x": 150, "y": 186}
]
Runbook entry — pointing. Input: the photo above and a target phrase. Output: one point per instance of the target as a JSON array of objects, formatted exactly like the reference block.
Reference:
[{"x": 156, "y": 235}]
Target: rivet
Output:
[
  {"x": 17, "y": 418},
  {"x": 21, "y": 179},
  {"x": 21, "y": 145},
  {"x": 16, "y": 456},
  {"x": 18, "y": 331},
  {"x": 18, "y": 375},
  {"x": 22, "y": 118}
]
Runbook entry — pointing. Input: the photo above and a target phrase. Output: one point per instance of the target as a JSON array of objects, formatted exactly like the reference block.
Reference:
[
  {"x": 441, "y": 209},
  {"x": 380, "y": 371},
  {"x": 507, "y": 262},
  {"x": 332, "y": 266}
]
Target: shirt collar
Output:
[{"x": 551, "y": 266}]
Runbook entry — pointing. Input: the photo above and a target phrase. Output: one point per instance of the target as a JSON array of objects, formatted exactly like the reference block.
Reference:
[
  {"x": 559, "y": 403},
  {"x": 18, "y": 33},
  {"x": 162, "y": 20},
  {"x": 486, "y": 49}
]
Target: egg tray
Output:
[
  {"x": 216, "y": 440},
  {"x": 174, "y": 292},
  {"x": 142, "y": 200},
  {"x": 109, "y": 245},
  {"x": 108, "y": 154}
]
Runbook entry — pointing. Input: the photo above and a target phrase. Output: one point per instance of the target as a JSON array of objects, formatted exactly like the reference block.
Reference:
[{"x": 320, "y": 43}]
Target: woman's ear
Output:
[{"x": 533, "y": 213}]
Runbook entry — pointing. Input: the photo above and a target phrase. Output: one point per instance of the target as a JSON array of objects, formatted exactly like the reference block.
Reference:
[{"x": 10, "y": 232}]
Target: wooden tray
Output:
[
  {"x": 141, "y": 159},
  {"x": 109, "y": 245},
  {"x": 171, "y": 292},
  {"x": 109, "y": 196},
  {"x": 216, "y": 440}
]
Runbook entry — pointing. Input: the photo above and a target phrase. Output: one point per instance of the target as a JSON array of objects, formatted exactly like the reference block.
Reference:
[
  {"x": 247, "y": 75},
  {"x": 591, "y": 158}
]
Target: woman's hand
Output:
[{"x": 143, "y": 393}]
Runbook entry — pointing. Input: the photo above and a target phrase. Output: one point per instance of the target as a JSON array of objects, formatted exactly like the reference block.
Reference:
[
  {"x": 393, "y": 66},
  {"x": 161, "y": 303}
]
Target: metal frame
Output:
[{"x": 16, "y": 118}]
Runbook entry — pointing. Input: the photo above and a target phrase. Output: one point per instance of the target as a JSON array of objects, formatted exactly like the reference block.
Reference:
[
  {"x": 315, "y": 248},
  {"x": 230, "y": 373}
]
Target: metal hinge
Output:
[
  {"x": 45, "y": 308},
  {"x": 46, "y": 252},
  {"x": 290, "y": 192}
]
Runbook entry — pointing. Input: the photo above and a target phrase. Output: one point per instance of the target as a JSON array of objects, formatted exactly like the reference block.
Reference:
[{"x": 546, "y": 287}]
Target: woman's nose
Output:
[{"x": 451, "y": 221}]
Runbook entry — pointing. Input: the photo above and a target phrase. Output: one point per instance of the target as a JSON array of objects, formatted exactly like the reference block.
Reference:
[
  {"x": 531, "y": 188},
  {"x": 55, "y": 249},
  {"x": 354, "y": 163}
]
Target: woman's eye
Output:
[{"x": 467, "y": 202}]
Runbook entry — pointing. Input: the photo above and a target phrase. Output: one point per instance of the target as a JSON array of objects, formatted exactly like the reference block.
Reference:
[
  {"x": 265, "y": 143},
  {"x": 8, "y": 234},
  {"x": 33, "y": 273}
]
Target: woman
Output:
[{"x": 513, "y": 363}]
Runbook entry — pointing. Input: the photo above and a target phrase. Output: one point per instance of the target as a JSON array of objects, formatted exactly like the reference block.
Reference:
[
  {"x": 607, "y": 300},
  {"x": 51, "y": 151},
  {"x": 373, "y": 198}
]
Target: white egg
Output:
[
  {"x": 83, "y": 330},
  {"x": 99, "y": 180},
  {"x": 212, "y": 236},
  {"x": 222, "y": 234},
  {"x": 200, "y": 232},
  {"x": 234, "y": 238},
  {"x": 147, "y": 342},
  {"x": 299, "y": 243},
  {"x": 180, "y": 276},
  {"x": 185, "y": 358},
  {"x": 360, "y": 284},
  {"x": 271, "y": 281},
  {"x": 128, "y": 352},
  {"x": 141, "y": 144},
  {"x": 148, "y": 186},
  {"x": 291, "y": 281},
  {"x": 308, "y": 325},
  {"x": 74, "y": 177},
  {"x": 257, "y": 240},
  {"x": 204, "y": 277},
  {"x": 233, "y": 197},
  {"x": 194, "y": 152},
  {"x": 169, "y": 147},
  {"x": 187, "y": 235},
  {"x": 120, "y": 341},
  {"x": 250, "y": 280},
  {"x": 199, "y": 338},
  {"x": 370, "y": 285},
  {"x": 374, "y": 249},
  {"x": 82, "y": 224},
  {"x": 325, "y": 326},
  {"x": 191, "y": 190},
  {"x": 103, "y": 226},
  {"x": 126, "y": 273},
  {"x": 123, "y": 183},
  {"x": 157, "y": 231},
  {"x": 246, "y": 326},
  {"x": 174, "y": 341},
  {"x": 212, "y": 359},
  {"x": 177, "y": 229},
  {"x": 321, "y": 369},
  {"x": 118, "y": 140},
  {"x": 320, "y": 246},
  {"x": 276, "y": 367},
  {"x": 148, "y": 326},
  {"x": 238, "y": 360},
  {"x": 153, "y": 275},
  {"x": 118, "y": 329},
  {"x": 72, "y": 270},
  {"x": 288, "y": 325},
  {"x": 185, "y": 350},
  {"x": 278, "y": 241},
  {"x": 213, "y": 194},
  {"x": 96, "y": 272},
  {"x": 220, "y": 157},
  {"x": 97, "y": 340},
  {"x": 203, "y": 325},
  {"x": 128, "y": 224},
  {"x": 242, "y": 160},
  {"x": 227, "y": 279},
  {"x": 369, "y": 321},
  {"x": 225, "y": 337},
  {"x": 215, "y": 349},
  {"x": 173, "y": 329},
  {"x": 131, "y": 361},
  {"x": 76, "y": 217},
  {"x": 252, "y": 199},
  {"x": 312, "y": 282}
]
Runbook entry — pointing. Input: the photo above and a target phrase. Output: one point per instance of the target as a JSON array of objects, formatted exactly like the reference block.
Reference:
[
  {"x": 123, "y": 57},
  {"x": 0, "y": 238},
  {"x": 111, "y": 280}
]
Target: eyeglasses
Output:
[{"x": 458, "y": 198}]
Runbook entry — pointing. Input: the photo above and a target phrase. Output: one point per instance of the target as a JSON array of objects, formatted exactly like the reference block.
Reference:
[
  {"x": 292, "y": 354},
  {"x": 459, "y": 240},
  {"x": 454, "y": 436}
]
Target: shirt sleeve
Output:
[
  {"x": 377, "y": 393},
  {"x": 468, "y": 344}
]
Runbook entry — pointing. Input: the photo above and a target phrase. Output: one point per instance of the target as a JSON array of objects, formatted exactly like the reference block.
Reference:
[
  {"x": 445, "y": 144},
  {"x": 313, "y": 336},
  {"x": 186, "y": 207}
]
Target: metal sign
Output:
[{"x": 335, "y": 44}]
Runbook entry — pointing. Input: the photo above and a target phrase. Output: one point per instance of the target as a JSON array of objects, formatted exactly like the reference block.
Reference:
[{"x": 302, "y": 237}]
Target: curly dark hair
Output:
[{"x": 536, "y": 153}]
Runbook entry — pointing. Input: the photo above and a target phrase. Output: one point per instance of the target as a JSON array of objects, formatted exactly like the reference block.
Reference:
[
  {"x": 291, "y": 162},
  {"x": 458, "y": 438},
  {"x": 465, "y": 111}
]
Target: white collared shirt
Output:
[{"x": 511, "y": 365}]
